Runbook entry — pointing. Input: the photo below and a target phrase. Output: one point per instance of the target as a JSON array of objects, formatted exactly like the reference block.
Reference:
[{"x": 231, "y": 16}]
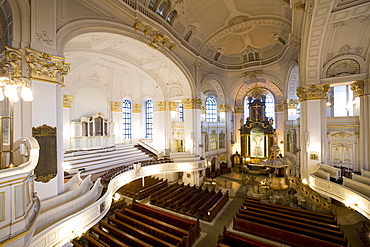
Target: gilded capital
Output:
[
  {"x": 239, "y": 110},
  {"x": 136, "y": 108},
  {"x": 172, "y": 105},
  {"x": 224, "y": 108},
  {"x": 281, "y": 106},
  {"x": 115, "y": 106},
  {"x": 11, "y": 61},
  {"x": 358, "y": 88},
  {"x": 161, "y": 105},
  {"x": 192, "y": 103},
  {"x": 292, "y": 103},
  {"x": 67, "y": 100},
  {"x": 313, "y": 92},
  {"x": 46, "y": 67}
]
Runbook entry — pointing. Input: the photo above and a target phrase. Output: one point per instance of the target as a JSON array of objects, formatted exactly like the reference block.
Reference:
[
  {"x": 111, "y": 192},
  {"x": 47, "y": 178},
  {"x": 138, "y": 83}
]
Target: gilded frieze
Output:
[
  {"x": 224, "y": 108},
  {"x": 313, "y": 92},
  {"x": 239, "y": 110},
  {"x": 115, "y": 106},
  {"x": 67, "y": 100},
  {"x": 161, "y": 105},
  {"x": 192, "y": 103},
  {"x": 136, "y": 108},
  {"x": 173, "y": 105},
  {"x": 46, "y": 67}
]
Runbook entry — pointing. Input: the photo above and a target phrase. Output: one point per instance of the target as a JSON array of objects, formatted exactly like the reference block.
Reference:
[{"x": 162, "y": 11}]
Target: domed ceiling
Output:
[{"x": 238, "y": 31}]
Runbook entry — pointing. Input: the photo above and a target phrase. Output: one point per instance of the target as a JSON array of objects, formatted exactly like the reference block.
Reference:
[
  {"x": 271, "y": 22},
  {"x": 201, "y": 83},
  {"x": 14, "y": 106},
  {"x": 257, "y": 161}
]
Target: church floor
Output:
[{"x": 348, "y": 219}]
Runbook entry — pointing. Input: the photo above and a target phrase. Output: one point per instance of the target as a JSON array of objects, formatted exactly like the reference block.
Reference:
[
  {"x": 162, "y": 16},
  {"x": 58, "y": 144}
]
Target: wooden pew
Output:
[
  {"x": 75, "y": 243},
  {"x": 168, "y": 198},
  {"x": 294, "y": 211},
  {"x": 170, "y": 238},
  {"x": 165, "y": 194},
  {"x": 92, "y": 241},
  {"x": 292, "y": 228},
  {"x": 295, "y": 222},
  {"x": 154, "y": 222},
  {"x": 186, "y": 206},
  {"x": 215, "y": 209},
  {"x": 290, "y": 217},
  {"x": 235, "y": 240},
  {"x": 179, "y": 203},
  {"x": 192, "y": 226},
  {"x": 139, "y": 234},
  {"x": 279, "y": 235},
  {"x": 107, "y": 238},
  {"x": 195, "y": 207},
  {"x": 185, "y": 190},
  {"x": 207, "y": 204}
]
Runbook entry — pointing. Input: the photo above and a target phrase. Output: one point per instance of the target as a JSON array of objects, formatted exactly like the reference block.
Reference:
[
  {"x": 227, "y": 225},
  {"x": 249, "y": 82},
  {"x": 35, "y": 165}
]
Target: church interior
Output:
[{"x": 184, "y": 123}]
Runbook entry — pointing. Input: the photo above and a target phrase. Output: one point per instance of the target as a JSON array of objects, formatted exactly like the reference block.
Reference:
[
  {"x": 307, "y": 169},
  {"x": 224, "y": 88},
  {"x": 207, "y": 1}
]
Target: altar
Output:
[{"x": 257, "y": 137}]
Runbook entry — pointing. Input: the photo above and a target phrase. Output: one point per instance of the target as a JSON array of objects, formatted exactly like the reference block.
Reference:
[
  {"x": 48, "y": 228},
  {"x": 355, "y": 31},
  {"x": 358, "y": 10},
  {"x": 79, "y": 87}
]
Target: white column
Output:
[
  {"x": 137, "y": 123},
  {"x": 313, "y": 127},
  {"x": 160, "y": 124},
  {"x": 192, "y": 128},
  {"x": 46, "y": 110}
]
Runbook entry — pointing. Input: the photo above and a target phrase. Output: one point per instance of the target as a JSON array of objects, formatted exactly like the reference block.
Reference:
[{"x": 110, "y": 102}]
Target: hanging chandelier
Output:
[{"x": 9, "y": 88}]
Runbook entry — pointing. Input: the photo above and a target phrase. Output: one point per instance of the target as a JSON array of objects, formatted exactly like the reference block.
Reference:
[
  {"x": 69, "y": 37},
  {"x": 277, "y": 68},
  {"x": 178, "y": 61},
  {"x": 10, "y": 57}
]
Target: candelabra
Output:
[{"x": 9, "y": 88}]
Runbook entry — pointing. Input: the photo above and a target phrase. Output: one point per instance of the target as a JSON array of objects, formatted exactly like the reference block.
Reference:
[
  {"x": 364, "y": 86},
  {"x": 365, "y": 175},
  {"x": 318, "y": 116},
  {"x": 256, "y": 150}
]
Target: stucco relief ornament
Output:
[
  {"x": 343, "y": 67},
  {"x": 43, "y": 37},
  {"x": 67, "y": 100}
]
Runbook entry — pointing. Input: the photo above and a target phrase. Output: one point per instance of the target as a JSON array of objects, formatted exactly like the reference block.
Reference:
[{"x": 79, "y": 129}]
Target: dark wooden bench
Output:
[
  {"x": 236, "y": 240},
  {"x": 154, "y": 222},
  {"x": 292, "y": 228},
  {"x": 92, "y": 241},
  {"x": 194, "y": 208},
  {"x": 112, "y": 241},
  {"x": 211, "y": 213},
  {"x": 179, "y": 203},
  {"x": 295, "y": 222},
  {"x": 294, "y": 211},
  {"x": 280, "y": 235},
  {"x": 139, "y": 234},
  {"x": 284, "y": 215},
  {"x": 192, "y": 226},
  {"x": 170, "y": 238},
  {"x": 186, "y": 206}
]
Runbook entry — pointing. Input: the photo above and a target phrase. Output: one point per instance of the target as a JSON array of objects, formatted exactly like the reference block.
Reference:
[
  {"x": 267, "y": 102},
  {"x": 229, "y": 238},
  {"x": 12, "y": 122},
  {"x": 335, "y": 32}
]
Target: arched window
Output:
[
  {"x": 181, "y": 112},
  {"x": 149, "y": 119},
  {"x": 163, "y": 8},
  {"x": 188, "y": 35},
  {"x": 126, "y": 119},
  {"x": 270, "y": 107},
  {"x": 246, "y": 108},
  {"x": 171, "y": 17},
  {"x": 211, "y": 109},
  {"x": 152, "y": 4}
]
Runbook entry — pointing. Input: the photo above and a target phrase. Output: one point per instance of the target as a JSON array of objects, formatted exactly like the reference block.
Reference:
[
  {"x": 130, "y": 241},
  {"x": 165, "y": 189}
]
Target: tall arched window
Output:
[
  {"x": 270, "y": 107},
  {"x": 163, "y": 8},
  {"x": 211, "y": 109},
  {"x": 171, "y": 16},
  {"x": 149, "y": 119},
  {"x": 126, "y": 119},
  {"x": 181, "y": 112},
  {"x": 152, "y": 4},
  {"x": 188, "y": 35},
  {"x": 246, "y": 108}
]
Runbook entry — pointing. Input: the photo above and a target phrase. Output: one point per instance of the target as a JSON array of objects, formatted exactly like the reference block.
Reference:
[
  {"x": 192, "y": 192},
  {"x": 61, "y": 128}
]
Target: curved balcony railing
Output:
[
  {"x": 349, "y": 197},
  {"x": 77, "y": 223},
  {"x": 20, "y": 205}
]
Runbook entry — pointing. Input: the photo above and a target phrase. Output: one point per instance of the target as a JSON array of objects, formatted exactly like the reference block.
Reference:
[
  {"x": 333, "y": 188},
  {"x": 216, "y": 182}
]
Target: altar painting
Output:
[{"x": 257, "y": 143}]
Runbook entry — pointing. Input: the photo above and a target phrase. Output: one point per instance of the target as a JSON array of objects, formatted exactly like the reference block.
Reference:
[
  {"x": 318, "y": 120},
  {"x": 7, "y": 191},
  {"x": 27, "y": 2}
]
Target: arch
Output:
[
  {"x": 344, "y": 65},
  {"x": 241, "y": 91},
  {"x": 293, "y": 83},
  {"x": 211, "y": 85},
  {"x": 79, "y": 27}
]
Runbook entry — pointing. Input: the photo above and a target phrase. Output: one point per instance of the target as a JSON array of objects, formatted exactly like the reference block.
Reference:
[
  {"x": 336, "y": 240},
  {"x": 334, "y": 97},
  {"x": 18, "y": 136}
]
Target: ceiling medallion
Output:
[
  {"x": 238, "y": 19},
  {"x": 343, "y": 67}
]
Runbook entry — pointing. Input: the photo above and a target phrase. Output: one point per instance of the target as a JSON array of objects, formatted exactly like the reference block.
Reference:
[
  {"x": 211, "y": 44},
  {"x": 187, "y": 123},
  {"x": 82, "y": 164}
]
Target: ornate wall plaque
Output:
[{"x": 46, "y": 168}]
